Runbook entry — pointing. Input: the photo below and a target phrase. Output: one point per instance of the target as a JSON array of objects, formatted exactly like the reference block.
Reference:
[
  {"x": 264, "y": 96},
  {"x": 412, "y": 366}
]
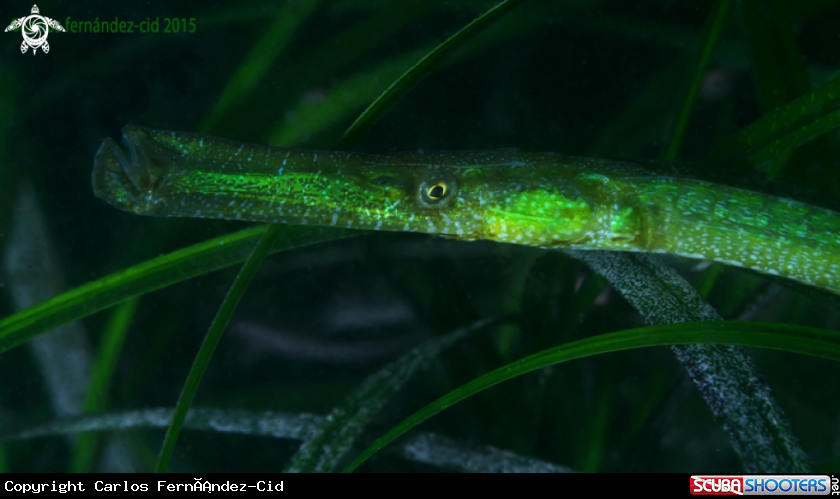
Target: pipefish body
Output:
[{"x": 537, "y": 199}]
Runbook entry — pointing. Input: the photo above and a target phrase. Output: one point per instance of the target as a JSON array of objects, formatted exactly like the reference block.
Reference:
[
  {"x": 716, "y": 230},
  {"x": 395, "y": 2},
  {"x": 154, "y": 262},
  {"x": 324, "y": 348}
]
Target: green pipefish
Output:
[{"x": 538, "y": 199}]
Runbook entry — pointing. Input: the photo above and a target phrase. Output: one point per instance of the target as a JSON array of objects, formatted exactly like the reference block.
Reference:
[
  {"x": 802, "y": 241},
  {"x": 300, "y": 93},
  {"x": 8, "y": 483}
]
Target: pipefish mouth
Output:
[{"x": 537, "y": 199}]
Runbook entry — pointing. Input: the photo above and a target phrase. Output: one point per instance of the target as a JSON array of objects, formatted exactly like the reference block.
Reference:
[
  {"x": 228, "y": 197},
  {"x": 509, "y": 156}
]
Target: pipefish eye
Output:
[{"x": 436, "y": 190}]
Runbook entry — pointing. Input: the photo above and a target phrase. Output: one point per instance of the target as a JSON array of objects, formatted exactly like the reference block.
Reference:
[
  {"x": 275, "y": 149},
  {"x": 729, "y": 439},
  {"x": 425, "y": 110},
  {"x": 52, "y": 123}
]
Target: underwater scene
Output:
[{"x": 420, "y": 236}]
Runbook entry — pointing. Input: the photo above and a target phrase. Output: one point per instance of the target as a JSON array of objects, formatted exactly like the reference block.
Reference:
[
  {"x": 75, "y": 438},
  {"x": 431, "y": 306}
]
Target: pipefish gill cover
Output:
[{"x": 425, "y": 249}]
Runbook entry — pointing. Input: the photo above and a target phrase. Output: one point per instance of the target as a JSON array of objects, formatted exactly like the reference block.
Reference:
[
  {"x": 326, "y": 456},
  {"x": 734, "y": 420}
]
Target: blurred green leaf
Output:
[
  {"x": 341, "y": 101},
  {"x": 149, "y": 276},
  {"x": 783, "y": 130},
  {"x": 410, "y": 78},
  {"x": 211, "y": 340},
  {"x": 778, "y": 68},
  {"x": 713, "y": 26},
  {"x": 101, "y": 377},
  {"x": 287, "y": 19}
]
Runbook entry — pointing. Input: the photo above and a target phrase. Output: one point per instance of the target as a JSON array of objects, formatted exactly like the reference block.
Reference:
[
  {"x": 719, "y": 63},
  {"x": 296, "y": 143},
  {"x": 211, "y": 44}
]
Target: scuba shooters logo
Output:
[
  {"x": 35, "y": 29},
  {"x": 743, "y": 485}
]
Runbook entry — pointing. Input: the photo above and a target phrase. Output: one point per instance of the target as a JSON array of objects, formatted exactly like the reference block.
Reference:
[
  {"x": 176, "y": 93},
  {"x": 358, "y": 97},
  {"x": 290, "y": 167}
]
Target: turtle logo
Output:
[{"x": 35, "y": 29}]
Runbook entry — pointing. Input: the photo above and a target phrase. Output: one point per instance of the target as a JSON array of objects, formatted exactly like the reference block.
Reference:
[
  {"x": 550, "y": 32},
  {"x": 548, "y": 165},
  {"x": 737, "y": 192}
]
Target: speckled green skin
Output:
[{"x": 538, "y": 199}]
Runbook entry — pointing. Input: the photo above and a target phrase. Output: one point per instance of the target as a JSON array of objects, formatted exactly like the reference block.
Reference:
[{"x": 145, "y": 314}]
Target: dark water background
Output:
[{"x": 588, "y": 78}]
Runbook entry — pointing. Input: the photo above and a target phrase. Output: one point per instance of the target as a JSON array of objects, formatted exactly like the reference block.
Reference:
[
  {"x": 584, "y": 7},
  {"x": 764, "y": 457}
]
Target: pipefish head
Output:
[
  {"x": 190, "y": 175},
  {"x": 357, "y": 191}
]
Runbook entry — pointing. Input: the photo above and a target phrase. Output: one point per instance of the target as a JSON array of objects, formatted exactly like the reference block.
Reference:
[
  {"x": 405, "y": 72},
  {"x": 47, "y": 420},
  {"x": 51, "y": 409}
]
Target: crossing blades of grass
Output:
[
  {"x": 726, "y": 376},
  {"x": 329, "y": 444},
  {"x": 791, "y": 338}
]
